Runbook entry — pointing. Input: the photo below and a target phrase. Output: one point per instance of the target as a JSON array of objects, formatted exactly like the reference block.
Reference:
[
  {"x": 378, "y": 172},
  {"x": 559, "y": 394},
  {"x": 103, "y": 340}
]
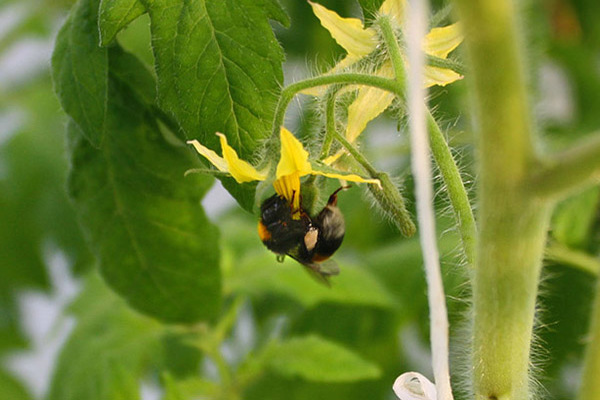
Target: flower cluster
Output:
[
  {"x": 360, "y": 41},
  {"x": 293, "y": 164}
]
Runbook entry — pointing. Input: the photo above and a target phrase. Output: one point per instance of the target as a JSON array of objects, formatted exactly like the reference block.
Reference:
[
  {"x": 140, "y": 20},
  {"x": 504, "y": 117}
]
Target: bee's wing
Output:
[{"x": 321, "y": 271}]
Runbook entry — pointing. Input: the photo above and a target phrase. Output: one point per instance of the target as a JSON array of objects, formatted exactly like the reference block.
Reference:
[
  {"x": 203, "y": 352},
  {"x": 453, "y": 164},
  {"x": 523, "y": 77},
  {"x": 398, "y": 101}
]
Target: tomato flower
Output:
[
  {"x": 293, "y": 164},
  {"x": 359, "y": 41}
]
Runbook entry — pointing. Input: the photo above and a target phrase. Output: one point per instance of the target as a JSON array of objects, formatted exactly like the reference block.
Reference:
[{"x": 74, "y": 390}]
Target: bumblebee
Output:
[{"x": 309, "y": 240}]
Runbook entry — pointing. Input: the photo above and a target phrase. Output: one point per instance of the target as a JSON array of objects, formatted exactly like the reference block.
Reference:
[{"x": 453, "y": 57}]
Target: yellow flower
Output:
[
  {"x": 293, "y": 164},
  {"x": 359, "y": 41}
]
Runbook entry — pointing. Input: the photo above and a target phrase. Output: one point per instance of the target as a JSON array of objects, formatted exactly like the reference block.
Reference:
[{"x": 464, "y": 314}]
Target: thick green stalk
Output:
[
  {"x": 512, "y": 224},
  {"x": 590, "y": 387}
]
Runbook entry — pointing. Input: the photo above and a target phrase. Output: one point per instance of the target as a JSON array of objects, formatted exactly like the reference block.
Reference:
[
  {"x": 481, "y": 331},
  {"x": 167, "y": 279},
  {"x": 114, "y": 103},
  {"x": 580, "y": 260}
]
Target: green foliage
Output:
[
  {"x": 154, "y": 243},
  {"x": 80, "y": 71},
  {"x": 115, "y": 15},
  {"x": 316, "y": 359},
  {"x": 11, "y": 388},
  {"x": 175, "y": 294},
  {"x": 109, "y": 351}
]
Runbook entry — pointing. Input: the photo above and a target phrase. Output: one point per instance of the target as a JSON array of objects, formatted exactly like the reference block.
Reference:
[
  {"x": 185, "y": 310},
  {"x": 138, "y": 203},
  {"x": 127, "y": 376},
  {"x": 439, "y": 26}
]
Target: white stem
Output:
[{"x": 421, "y": 166}]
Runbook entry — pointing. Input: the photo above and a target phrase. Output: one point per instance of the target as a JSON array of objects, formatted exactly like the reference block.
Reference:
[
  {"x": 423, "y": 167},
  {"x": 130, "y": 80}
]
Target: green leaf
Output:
[
  {"x": 190, "y": 388},
  {"x": 12, "y": 389},
  {"x": 319, "y": 360},
  {"x": 219, "y": 69},
  {"x": 116, "y": 15},
  {"x": 276, "y": 12},
  {"x": 109, "y": 351},
  {"x": 153, "y": 241},
  {"x": 130, "y": 71},
  {"x": 258, "y": 273},
  {"x": 80, "y": 71}
]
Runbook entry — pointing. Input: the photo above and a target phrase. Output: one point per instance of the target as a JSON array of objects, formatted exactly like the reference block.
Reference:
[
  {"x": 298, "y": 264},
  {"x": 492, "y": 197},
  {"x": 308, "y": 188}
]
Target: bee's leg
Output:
[{"x": 333, "y": 198}]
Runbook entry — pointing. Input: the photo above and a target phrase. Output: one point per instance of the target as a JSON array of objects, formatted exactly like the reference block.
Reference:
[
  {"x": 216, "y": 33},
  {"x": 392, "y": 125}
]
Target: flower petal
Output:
[
  {"x": 347, "y": 32},
  {"x": 288, "y": 186},
  {"x": 394, "y": 8},
  {"x": 293, "y": 156},
  {"x": 210, "y": 155},
  {"x": 241, "y": 170},
  {"x": 369, "y": 103},
  {"x": 441, "y": 41},
  {"x": 346, "y": 177},
  {"x": 440, "y": 76}
]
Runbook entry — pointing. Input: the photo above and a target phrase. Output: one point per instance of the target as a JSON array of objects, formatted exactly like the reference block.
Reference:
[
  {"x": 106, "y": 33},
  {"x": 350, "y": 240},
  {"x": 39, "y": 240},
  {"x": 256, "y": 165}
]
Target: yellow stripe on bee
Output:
[{"x": 263, "y": 232}]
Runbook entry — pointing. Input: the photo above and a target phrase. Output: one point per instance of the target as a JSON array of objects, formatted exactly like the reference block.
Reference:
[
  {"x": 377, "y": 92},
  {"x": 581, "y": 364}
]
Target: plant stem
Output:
[
  {"x": 562, "y": 254},
  {"x": 455, "y": 189},
  {"x": 388, "y": 196},
  {"x": 442, "y": 156},
  {"x": 568, "y": 170},
  {"x": 290, "y": 91},
  {"x": 512, "y": 225},
  {"x": 330, "y": 125},
  {"x": 590, "y": 387}
]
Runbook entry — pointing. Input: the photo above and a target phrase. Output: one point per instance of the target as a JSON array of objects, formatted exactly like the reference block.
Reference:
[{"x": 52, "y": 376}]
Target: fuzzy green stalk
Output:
[
  {"x": 457, "y": 193},
  {"x": 590, "y": 387},
  {"x": 388, "y": 196},
  {"x": 441, "y": 153},
  {"x": 512, "y": 224},
  {"x": 288, "y": 93},
  {"x": 330, "y": 123}
]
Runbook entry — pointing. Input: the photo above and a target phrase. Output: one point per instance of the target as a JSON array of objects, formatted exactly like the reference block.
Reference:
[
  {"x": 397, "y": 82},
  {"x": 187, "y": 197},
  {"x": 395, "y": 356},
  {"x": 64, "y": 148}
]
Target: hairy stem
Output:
[
  {"x": 290, "y": 91},
  {"x": 455, "y": 189},
  {"x": 443, "y": 157},
  {"x": 512, "y": 224},
  {"x": 330, "y": 125},
  {"x": 388, "y": 196}
]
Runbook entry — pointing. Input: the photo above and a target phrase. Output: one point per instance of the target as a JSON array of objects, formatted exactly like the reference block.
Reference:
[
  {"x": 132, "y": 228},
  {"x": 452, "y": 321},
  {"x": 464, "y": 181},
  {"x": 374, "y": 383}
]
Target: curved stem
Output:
[
  {"x": 443, "y": 158},
  {"x": 388, "y": 196},
  {"x": 290, "y": 91},
  {"x": 455, "y": 187}
]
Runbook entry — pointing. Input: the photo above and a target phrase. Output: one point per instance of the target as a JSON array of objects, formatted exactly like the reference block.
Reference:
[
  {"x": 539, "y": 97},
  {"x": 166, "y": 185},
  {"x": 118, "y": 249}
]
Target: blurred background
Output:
[{"x": 44, "y": 258}]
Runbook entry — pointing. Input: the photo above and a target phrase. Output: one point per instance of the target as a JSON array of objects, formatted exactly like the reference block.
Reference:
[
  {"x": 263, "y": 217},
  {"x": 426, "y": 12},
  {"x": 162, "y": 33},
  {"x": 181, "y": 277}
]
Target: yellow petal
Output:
[
  {"x": 347, "y": 177},
  {"x": 369, "y": 103},
  {"x": 441, "y": 41},
  {"x": 333, "y": 158},
  {"x": 241, "y": 170},
  {"x": 347, "y": 32},
  {"x": 440, "y": 76},
  {"x": 288, "y": 186},
  {"x": 293, "y": 156},
  {"x": 394, "y": 8},
  {"x": 210, "y": 155}
]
